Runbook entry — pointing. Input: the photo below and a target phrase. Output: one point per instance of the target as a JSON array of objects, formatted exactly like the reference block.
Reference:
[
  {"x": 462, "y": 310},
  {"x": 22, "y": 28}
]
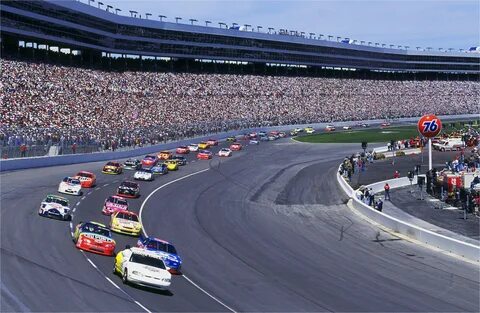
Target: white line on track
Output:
[
  {"x": 111, "y": 282},
  {"x": 145, "y": 233},
  {"x": 83, "y": 198},
  {"x": 105, "y": 185},
  {"x": 90, "y": 261},
  {"x": 90, "y": 192},
  {"x": 78, "y": 203},
  {"x": 71, "y": 225},
  {"x": 98, "y": 188}
]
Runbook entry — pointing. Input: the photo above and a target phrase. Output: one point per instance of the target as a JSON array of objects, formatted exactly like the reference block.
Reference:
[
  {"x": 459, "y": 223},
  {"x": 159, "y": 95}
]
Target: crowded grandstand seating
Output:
[{"x": 48, "y": 103}]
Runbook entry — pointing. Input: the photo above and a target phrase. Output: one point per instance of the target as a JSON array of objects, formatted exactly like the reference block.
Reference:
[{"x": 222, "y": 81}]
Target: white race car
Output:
[
  {"x": 71, "y": 186},
  {"x": 144, "y": 174},
  {"x": 142, "y": 267},
  {"x": 225, "y": 152},
  {"x": 347, "y": 127},
  {"x": 254, "y": 142},
  {"x": 193, "y": 147},
  {"x": 55, "y": 207}
]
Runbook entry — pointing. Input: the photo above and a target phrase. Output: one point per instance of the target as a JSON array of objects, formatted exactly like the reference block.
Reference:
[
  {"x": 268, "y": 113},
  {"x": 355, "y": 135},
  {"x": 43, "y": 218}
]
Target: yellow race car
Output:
[
  {"x": 203, "y": 145},
  {"x": 113, "y": 168},
  {"x": 125, "y": 222},
  {"x": 172, "y": 165},
  {"x": 309, "y": 130}
]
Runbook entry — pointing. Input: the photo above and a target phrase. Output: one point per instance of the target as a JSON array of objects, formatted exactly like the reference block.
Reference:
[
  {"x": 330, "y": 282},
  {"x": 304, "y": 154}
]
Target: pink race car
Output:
[{"x": 114, "y": 204}]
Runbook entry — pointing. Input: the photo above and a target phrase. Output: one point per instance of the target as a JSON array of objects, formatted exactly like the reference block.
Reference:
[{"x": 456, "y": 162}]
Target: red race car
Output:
[
  {"x": 204, "y": 155},
  {"x": 212, "y": 142},
  {"x": 113, "y": 204},
  {"x": 87, "y": 179},
  {"x": 236, "y": 146},
  {"x": 149, "y": 161},
  {"x": 94, "y": 237},
  {"x": 182, "y": 150}
]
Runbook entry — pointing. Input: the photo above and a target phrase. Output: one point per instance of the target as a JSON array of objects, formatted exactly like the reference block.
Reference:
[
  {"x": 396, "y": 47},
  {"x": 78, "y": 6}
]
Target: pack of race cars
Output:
[{"x": 152, "y": 262}]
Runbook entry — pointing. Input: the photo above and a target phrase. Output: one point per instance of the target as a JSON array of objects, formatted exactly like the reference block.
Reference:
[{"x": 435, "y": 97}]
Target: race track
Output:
[{"x": 265, "y": 230}]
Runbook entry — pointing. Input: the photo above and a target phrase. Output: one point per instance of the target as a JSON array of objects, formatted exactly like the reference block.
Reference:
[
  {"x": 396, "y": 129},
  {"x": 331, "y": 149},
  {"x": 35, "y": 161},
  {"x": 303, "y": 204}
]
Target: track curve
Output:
[{"x": 266, "y": 230}]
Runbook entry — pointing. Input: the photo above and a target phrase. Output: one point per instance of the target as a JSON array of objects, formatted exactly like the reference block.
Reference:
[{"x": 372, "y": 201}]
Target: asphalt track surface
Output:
[{"x": 264, "y": 230}]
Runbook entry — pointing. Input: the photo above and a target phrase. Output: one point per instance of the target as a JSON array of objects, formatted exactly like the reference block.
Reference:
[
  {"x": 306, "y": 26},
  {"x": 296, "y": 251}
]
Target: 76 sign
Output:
[{"x": 429, "y": 125}]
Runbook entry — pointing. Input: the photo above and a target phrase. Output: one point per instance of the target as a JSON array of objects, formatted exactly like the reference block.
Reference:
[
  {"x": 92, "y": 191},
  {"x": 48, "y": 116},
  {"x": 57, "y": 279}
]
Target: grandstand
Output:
[{"x": 96, "y": 37}]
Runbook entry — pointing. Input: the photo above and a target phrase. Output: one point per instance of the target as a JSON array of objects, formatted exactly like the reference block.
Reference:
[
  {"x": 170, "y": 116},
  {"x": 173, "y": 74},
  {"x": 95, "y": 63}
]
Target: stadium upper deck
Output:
[{"x": 76, "y": 25}]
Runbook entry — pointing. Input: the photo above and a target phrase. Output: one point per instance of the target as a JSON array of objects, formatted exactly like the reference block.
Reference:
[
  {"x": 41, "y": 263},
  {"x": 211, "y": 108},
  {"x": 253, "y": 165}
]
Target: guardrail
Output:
[{"x": 467, "y": 250}]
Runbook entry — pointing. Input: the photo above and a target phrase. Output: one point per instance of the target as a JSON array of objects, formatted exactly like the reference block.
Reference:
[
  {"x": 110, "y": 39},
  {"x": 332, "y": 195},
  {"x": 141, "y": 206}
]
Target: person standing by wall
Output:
[
  {"x": 23, "y": 150},
  {"x": 387, "y": 191}
]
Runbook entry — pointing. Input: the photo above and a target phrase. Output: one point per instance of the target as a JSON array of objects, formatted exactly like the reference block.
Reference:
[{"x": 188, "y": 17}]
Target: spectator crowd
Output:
[{"x": 43, "y": 103}]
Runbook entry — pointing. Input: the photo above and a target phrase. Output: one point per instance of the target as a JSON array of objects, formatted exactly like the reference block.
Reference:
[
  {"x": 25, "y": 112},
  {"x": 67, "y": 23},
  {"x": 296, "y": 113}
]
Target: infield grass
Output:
[{"x": 359, "y": 135}]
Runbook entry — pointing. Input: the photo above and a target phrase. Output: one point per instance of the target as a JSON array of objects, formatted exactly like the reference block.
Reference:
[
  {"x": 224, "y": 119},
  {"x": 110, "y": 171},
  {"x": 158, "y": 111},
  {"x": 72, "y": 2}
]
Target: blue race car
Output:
[
  {"x": 165, "y": 249},
  {"x": 159, "y": 168}
]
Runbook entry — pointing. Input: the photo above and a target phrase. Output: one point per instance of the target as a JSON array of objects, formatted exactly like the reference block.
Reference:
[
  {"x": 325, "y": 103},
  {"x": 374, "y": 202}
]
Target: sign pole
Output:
[{"x": 429, "y": 154}]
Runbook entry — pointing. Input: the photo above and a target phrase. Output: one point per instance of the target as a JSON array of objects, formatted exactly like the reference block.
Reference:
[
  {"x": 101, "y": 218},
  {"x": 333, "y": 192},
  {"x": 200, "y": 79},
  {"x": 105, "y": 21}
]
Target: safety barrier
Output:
[{"x": 467, "y": 250}]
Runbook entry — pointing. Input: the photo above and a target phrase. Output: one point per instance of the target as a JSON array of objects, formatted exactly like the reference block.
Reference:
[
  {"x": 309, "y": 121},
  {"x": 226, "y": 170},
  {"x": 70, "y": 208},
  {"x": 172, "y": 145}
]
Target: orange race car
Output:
[
  {"x": 164, "y": 155},
  {"x": 87, "y": 179}
]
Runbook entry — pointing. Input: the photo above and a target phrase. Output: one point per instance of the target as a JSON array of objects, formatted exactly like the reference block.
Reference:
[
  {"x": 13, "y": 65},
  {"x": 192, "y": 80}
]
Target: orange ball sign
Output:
[{"x": 429, "y": 125}]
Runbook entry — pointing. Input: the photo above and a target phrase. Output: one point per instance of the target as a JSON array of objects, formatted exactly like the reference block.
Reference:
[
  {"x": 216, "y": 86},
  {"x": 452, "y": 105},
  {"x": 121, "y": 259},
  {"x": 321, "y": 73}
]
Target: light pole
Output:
[
  {"x": 312, "y": 35},
  {"x": 177, "y": 19},
  {"x": 383, "y": 45},
  {"x": 391, "y": 46},
  {"x": 399, "y": 47},
  {"x": 207, "y": 22},
  {"x": 108, "y": 8},
  {"x": 221, "y": 23},
  {"x": 132, "y": 13},
  {"x": 377, "y": 44},
  {"x": 258, "y": 28},
  {"x": 429, "y": 48},
  {"x": 330, "y": 37},
  {"x": 302, "y": 34},
  {"x": 320, "y": 36},
  {"x": 90, "y": 1},
  {"x": 362, "y": 42},
  {"x": 117, "y": 10},
  {"x": 338, "y": 38},
  {"x": 270, "y": 30},
  {"x": 407, "y": 47},
  {"x": 418, "y": 48},
  {"x": 161, "y": 17},
  {"x": 192, "y": 20},
  {"x": 234, "y": 25},
  {"x": 370, "y": 43},
  {"x": 100, "y": 4},
  {"x": 247, "y": 26},
  {"x": 147, "y": 15}
]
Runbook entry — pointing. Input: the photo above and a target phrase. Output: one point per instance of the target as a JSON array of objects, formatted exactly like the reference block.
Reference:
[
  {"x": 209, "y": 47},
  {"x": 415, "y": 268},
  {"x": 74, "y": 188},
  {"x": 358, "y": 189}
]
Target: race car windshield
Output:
[
  {"x": 147, "y": 260},
  {"x": 161, "y": 246},
  {"x": 84, "y": 175},
  {"x": 117, "y": 201},
  {"x": 129, "y": 217},
  {"x": 112, "y": 164},
  {"x": 92, "y": 228},
  {"x": 56, "y": 200},
  {"x": 150, "y": 157},
  {"x": 129, "y": 185},
  {"x": 74, "y": 181}
]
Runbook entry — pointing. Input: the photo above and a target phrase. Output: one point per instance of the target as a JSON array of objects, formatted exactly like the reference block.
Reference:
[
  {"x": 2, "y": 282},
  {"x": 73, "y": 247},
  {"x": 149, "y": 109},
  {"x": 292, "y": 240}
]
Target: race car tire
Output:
[
  {"x": 125, "y": 276},
  {"x": 114, "y": 268}
]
